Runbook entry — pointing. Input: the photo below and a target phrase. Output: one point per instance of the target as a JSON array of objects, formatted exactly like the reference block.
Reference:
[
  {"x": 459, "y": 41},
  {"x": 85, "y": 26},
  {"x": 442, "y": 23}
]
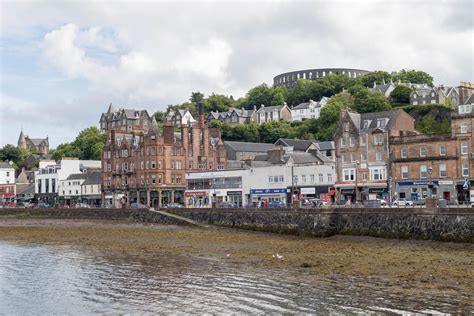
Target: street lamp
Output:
[
  {"x": 430, "y": 184},
  {"x": 356, "y": 186}
]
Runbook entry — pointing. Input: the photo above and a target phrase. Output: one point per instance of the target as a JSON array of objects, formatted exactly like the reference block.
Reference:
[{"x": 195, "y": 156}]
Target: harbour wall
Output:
[{"x": 449, "y": 224}]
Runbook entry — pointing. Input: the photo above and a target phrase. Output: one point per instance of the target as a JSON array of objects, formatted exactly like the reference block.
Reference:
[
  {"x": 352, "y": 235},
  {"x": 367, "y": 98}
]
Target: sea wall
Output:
[{"x": 437, "y": 224}]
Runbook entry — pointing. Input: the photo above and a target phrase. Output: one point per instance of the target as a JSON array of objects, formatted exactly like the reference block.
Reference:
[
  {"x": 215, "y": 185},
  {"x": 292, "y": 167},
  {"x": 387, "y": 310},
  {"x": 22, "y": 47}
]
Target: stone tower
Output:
[{"x": 21, "y": 141}]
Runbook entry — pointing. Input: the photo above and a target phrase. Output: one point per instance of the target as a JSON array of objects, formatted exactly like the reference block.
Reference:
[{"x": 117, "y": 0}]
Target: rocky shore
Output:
[{"x": 409, "y": 265}]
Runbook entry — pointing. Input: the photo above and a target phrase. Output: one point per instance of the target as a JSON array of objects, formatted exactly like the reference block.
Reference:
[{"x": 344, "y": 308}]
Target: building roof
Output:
[
  {"x": 470, "y": 100},
  {"x": 297, "y": 144},
  {"x": 249, "y": 147},
  {"x": 327, "y": 145},
  {"x": 38, "y": 141},
  {"x": 94, "y": 177},
  {"x": 5, "y": 165},
  {"x": 271, "y": 108},
  {"x": 306, "y": 105},
  {"x": 25, "y": 188},
  {"x": 77, "y": 176}
]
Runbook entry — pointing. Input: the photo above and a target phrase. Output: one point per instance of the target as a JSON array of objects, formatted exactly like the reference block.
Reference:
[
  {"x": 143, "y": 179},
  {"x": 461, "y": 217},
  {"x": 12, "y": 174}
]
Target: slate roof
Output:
[
  {"x": 38, "y": 141},
  {"x": 271, "y": 108},
  {"x": 26, "y": 188},
  {"x": 297, "y": 144},
  {"x": 470, "y": 100},
  {"x": 250, "y": 147},
  {"x": 95, "y": 177},
  {"x": 305, "y": 105},
  {"x": 5, "y": 165},
  {"x": 77, "y": 176},
  {"x": 328, "y": 145},
  {"x": 383, "y": 87}
]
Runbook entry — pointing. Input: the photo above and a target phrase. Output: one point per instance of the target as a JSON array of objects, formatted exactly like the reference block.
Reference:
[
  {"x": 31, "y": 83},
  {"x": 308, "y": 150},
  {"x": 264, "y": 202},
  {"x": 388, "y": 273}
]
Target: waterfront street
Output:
[{"x": 371, "y": 273}]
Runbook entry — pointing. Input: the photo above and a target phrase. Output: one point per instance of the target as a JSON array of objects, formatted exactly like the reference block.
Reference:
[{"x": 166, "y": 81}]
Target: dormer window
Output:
[
  {"x": 366, "y": 124},
  {"x": 381, "y": 123},
  {"x": 346, "y": 126},
  {"x": 414, "y": 95}
]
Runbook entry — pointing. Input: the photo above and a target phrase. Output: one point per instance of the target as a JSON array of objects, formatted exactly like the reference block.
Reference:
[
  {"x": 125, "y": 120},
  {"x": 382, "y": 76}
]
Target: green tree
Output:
[
  {"x": 378, "y": 77},
  {"x": 10, "y": 153},
  {"x": 271, "y": 131},
  {"x": 90, "y": 143},
  {"x": 66, "y": 150},
  {"x": 413, "y": 76},
  {"x": 159, "y": 116},
  {"x": 263, "y": 94},
  {"x": 218, "y": 102},
  {"x": 196, "y": 97},
  {"x": 401, "y": 94}
]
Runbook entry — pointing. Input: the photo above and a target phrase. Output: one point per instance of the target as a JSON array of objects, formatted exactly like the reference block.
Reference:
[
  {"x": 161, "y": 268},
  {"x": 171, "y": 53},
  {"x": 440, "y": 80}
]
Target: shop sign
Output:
[
  {"x": 197, "y": 193},
  {"x": 347, "y": 191},
  {"x": 377, "y": 190},
  {"x": 267, "y": 191},
  {"x": 234, "y": 193},
  {"x": 425, "y": 182},
  {"x": 308, "y": 191},
  {"x": 445, "y": 182}
]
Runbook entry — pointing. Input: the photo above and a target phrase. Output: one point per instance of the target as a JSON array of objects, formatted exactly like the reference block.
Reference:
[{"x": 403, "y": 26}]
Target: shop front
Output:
[
  {"x": 46, "y": 198},
  {"x": 257, "y": 196},
  {"x": 441, "y": 189},
  {"x": 235, "y": 197},
  {"x": 197, "y": 199}
]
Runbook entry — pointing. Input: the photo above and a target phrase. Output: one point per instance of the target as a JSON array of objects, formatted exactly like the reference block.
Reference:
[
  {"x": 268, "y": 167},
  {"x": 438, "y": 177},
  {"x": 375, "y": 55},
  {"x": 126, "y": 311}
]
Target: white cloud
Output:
[{"x": 150, "y": 54}]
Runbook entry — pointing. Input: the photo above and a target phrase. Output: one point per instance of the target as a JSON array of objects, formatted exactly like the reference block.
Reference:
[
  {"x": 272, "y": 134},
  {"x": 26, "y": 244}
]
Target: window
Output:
[
  {"x": 423, "y": 171},
  {"x": 378, "y": 139},
  {"x": 362, "y": 140},
  {"x": 442, "y": 170},
  {"x": 159, "y": 164},
  {"x": 172, "y": 164},
  {"x": 378, "y": 156},
  {"x": 353, "y": 158},
  {"x": 348, "y": 174},
  {"x": 320, "y": 178},
  {"x": 153, "y": 165},
  {"x": 465, "y": 169},
  {"x": 442, "y": 150},
  {"x": 463, "y": 127},
  {"x": 464, "y": 148},
  {"x": 352, "y": 141},
  {"x": 343, "y": 142},
  {"x": 404, "y": 172},
  {"x": 366, "y": 124},
  {"x": 422, "y": 151},
  {"x": 311, "y": 178},
  {"x": 377, "y": 173},
  {"x": 403, "y": 152},
  {"x": 303, "y": 178},
  {"x": 147, "y": 164},
  {"x": 8, "y": 173},
  {"x": 329, "y": 177},
  {"x": 346, "y": 126},
  {"x": 381, "y": 122},
  {"x": 363, "y": 157}
]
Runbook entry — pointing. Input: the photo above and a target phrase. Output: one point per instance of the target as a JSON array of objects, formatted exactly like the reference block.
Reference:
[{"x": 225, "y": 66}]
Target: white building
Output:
[
  {"x": 91, "y": 189},
  {"x": 271, "y": 177},
  {"x": 308, "y": 110},
  {"x": 180, "y": 117},
  {"x": 49, "y": 179},
  {"x": 7, "y": 185}
]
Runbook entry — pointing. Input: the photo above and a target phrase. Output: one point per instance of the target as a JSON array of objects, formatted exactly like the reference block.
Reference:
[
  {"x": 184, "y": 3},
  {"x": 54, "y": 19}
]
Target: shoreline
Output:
[{"x": 402, "y": 261}]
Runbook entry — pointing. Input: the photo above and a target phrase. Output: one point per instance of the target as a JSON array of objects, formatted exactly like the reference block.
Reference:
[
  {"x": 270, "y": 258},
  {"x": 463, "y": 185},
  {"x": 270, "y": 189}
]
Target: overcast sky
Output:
[{"x": 63, "y": 62}]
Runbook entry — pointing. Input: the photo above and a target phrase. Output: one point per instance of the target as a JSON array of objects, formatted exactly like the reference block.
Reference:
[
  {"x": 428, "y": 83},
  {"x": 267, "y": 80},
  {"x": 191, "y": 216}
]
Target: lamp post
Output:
[
  {"x": 430, "y": 184},
  {"x": 356, "y": 184},
  {"x": 214, "y": 204}
]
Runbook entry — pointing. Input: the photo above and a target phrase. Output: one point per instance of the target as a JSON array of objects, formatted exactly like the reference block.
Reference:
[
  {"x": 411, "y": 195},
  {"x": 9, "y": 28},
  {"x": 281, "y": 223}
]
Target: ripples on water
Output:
[{"x": 48, "y": 280}]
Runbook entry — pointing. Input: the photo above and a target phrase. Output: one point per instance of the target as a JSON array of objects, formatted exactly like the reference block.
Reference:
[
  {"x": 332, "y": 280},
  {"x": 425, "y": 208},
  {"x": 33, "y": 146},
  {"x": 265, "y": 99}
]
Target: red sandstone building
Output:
[{"x": 149, "y": 167}]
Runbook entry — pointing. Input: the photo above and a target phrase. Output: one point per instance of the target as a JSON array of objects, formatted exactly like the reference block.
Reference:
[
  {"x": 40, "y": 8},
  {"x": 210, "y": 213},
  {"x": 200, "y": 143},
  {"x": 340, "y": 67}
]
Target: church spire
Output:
[
  {"x": 22, "y": 140},
  {"x": 111, "y": 108}
]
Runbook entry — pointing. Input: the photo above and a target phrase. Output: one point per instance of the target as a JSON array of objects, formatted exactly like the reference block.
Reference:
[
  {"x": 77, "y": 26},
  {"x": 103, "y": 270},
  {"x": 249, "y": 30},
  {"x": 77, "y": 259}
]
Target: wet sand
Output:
[{"x": 408, "y": 265}]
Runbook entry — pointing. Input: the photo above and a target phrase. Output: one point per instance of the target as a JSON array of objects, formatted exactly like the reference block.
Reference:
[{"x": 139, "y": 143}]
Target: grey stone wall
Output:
[{"x": 437, "y": 224}]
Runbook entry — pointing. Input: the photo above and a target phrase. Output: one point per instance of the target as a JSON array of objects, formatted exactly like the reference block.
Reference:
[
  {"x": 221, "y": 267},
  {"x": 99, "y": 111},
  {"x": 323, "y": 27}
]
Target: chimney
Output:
[
  {"x": 200, "y": 114},
  {"x": 168, "y": 132},
  {"x": 255, "y": 107},
  {"x": 275, "y": 155}
]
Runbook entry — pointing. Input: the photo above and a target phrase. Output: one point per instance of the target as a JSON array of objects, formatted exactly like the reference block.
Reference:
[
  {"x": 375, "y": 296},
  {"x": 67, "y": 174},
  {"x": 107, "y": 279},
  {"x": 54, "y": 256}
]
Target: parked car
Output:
[
  {"x": 402, "y": 202},
  {"x": 382, "y": 202},
  {"x": 82, "y": 205},
  {"x": 43, "y": 205},
  {"x": 138, "y": 206},
  {"x": 174, "y": 205},
  {"x": 277, "y": 204},
  {"x": 225, "y": 204},
  {"x": 25, "y": 205}
]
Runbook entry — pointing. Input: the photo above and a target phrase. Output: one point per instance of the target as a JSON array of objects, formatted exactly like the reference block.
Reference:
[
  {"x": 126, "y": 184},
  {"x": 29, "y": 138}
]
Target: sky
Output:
[{"x": 63, "y": 62}]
